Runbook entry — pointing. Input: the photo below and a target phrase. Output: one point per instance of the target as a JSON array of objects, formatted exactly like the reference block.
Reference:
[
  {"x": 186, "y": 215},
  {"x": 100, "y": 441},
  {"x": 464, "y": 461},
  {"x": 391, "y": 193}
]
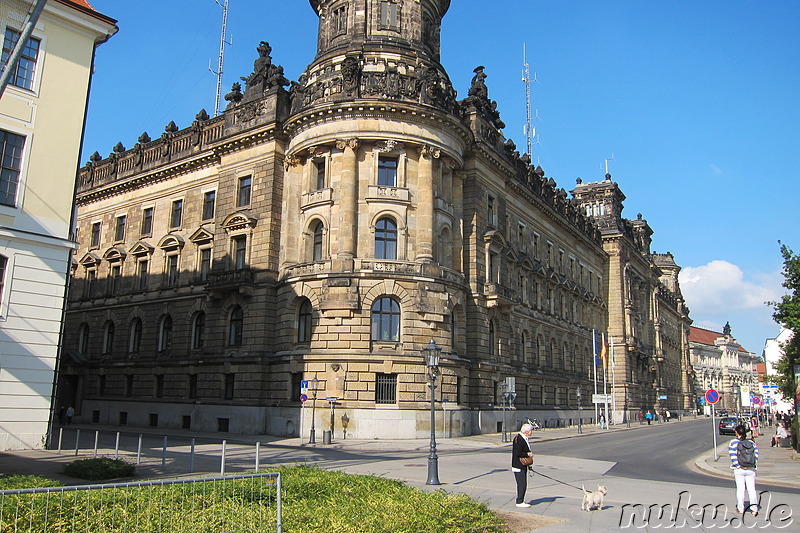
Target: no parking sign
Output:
[{"x": 712, "y": 396}]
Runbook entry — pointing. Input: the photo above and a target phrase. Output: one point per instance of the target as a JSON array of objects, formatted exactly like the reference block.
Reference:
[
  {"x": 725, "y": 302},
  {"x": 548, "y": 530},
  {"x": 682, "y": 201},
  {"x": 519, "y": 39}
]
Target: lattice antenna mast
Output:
[
  {"x": 526, "y": 79},
  {"x": 606, "y": 162},
  {"x": 221, "y": 57}
]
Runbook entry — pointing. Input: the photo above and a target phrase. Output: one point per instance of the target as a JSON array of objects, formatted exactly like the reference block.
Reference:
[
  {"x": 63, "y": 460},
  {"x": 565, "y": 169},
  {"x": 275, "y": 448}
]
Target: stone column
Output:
[
  {"x": 425, "y": 199},
  {"x": 348, "y": 220}
]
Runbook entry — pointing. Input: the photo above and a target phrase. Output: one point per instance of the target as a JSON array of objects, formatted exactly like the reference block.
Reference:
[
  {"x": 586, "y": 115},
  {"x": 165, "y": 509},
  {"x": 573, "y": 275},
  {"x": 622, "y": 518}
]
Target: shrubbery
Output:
[{"x": 101, "y": 468}]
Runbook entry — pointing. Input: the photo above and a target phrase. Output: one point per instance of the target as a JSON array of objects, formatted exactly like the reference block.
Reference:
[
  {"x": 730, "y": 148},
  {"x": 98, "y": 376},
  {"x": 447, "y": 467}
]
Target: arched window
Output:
[
  {"x": 83, "y": 339},
  {"x": 386, "y": 239},
  {"x": 492, "y": 344},
  {"x": 136, "y": 336},
  {"x": 165, "y": 334},
  {"x": 304, "y": 322},
  {"x": 386, "y": 320},
  {"x": 316, "y": 253},
  {"x": 445, "y": 249},
  {"x": 198, "y": 330},
  {"x": 108, "y": 338},
  {"x": 236, "y": 326}
]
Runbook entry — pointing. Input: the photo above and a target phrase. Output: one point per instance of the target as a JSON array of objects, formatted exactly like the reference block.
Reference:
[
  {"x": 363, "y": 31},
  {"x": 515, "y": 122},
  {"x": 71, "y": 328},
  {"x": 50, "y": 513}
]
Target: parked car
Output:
[
  {"x": 722, "y": 412},
  {"x": 727, "y": 424}
]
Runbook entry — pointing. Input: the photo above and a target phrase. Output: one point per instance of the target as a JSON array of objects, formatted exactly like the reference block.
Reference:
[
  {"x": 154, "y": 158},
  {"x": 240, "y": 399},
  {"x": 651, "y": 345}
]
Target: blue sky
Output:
[{"x": 697, "y": 102}]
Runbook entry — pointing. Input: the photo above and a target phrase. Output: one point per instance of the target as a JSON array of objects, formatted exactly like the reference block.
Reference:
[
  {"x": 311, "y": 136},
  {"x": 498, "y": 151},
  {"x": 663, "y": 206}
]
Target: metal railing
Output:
[{"x": 242, "y": 504}]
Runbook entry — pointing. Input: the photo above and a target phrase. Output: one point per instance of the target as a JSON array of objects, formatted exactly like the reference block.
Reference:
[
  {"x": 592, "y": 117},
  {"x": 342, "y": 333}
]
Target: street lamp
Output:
[
  {"x": 628, "y": 408},
  {"x": 578, "y": 394},
  {"x": 503, "y": 394},
  {"x": 431, "y": 354},
  {"x": 312, "y": 438}
]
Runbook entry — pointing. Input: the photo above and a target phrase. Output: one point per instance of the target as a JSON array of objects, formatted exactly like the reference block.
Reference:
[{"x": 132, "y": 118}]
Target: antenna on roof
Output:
[
  {"x": 606, "y": 160},
  {"x": 529, "y": 130},
  {"x": 221, "y": 57}
]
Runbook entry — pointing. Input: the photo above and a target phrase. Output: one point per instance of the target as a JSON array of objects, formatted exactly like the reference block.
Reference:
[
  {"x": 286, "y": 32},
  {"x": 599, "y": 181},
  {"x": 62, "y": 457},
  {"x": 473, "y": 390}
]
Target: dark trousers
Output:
[{"x": 522, "y": 484}]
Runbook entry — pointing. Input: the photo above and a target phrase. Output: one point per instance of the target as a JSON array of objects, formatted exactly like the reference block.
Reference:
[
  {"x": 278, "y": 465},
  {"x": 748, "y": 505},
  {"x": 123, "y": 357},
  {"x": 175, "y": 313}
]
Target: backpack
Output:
[{"x": 746, "y": 454}]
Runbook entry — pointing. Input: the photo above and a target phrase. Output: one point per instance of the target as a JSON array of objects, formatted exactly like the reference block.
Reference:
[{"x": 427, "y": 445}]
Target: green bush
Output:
[
  {"x": 13, "y": 482},
  {"x": 101, "y": 468}
]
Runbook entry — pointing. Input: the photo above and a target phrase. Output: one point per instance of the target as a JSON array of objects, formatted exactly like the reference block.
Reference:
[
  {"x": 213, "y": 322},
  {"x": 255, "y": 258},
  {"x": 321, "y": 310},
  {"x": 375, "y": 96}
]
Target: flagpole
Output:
[
  {"x": 594, "y": 370},
  {"x": 605, "y": 376},
  {"x": 613, "y": 380}
]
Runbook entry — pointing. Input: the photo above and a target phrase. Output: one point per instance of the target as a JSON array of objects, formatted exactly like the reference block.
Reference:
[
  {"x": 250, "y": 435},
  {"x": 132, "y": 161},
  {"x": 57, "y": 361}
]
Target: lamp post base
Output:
[{"x": 433, "y": 470}]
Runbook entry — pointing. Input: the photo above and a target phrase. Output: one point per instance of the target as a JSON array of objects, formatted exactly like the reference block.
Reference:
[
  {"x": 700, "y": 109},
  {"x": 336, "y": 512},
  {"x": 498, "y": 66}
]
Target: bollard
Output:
[
  {"x": 116, "y": 447},
  {"x": 77, "y": 440},
  {"x": 164, "y": 453},
  {"x": 60, "y": 436},
  {"x": 222, "y": 460},
  {"x": 96, "y": 439},
  {"x": 326, "y": 436},
  {"x": 139, "y": 450},
  {"x": 258, "y": 449},
  {"x": 191, "y": 457}
]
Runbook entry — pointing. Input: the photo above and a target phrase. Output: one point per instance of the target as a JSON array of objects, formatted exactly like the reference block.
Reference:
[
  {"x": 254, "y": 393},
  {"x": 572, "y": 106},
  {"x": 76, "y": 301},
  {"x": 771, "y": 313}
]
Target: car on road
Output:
[
  {"x": 722, "y": 412},
  {"x": 726, "y": 424}
]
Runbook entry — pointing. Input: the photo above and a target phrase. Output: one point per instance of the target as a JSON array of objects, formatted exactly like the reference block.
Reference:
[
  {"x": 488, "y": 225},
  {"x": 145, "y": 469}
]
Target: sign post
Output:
[{"x": 712, "y": 397}]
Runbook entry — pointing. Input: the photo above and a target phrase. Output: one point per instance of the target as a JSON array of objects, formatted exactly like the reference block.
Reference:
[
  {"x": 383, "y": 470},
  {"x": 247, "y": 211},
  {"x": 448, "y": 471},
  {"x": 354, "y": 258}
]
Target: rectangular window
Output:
[
  {"x": 22, "y": 74},
  {"x": 119, "y": 233},
  {"x": 172, "y": 270},
  {"x": 95, "y": 241},
  {"x": 116, "y": 278},
  {"x": 147, "y": 221},
  {"x": 153, "y": 420},
  {"x": 11, "y": 146},
  {"x": 490, "y": 216},
  {"x": 3, "y": 265},
  {"x": 230, "y": 381},
  {"x": 389, "y": 15},
  {"x": 159, "y": 386},
  {"x": 209, "y": 201},
  {"x": 239, "y": 252},
  {"x": 123, "y": 418},
  {"x": 101, "y": 386},
  {"x": 192, "y": 386},
  {"x": 177, "y": 214},
  {"x": 385, "y": 388},
  {"x": 340, "y": 20},
  {"x": 320, "y": 170},
  {"x": 243, "y": 197},
  {"x": 142, "y": 274},
  {"x": 205, "y": 263},
  {"x": 387, "y": 171},
  {"x": 186, "y": 422},
  {"x": 129, "y": 385},
  {"x": 91, "y": 275}
]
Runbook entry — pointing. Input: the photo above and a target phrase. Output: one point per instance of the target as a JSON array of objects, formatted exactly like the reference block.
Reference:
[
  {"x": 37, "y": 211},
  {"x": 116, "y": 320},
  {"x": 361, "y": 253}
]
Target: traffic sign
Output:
[
  {"x": 712, "y": 396},
  {"x": 332, "y": 398},
  {"x": 304, "y": 386},
  {"x": 304, "y": 397},
  {"x": 601, "y": 398},
  {"x": 756, "y": 400}
]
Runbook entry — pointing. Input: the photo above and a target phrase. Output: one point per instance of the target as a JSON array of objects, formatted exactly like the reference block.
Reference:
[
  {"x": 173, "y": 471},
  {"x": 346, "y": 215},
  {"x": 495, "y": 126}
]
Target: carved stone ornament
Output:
[
  {"x": 235, "y": 96},
  {"x": 389, "y": 146},
  {"x": 347, "y": 143},
  {"x": 291, "y": 161},
  {"x": 429, "y": 151},
  {"x": 351, "y": 76},
  {"x": 144, "y": 138}
]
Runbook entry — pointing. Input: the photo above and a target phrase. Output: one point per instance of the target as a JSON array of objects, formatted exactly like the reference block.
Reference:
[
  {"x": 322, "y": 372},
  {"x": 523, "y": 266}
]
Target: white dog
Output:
[{"x": 593, "y": 500}]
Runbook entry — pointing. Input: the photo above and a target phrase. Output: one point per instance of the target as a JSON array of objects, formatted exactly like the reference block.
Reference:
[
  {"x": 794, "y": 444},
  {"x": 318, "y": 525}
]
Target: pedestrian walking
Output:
[
  {"x": 744, "y": 456},
  {"x": 648, "y": 417},
  {"x": 70, "y": 414},
  {"x": 521, "y": 461},
  {"x": 61, "y": 414}
]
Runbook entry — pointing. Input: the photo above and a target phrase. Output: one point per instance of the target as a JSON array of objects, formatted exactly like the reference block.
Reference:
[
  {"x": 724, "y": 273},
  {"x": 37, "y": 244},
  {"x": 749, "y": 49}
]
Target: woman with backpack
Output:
[{"x": 744, "y": 455}]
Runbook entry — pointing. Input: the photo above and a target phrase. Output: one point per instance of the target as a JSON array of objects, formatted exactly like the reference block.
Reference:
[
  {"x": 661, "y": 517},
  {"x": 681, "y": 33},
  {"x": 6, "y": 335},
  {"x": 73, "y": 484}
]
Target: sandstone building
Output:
[
  {"x": 326, "y": 230},
  {"x": 721, "y": 363},
  {"x": 41, "y": 122}
]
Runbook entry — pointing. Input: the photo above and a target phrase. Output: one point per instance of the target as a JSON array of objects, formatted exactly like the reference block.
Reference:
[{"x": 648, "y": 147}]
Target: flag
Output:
[{"x": 604, "y": 353}]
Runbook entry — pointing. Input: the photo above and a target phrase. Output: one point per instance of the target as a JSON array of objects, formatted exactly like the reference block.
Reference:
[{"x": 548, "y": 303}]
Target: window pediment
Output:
[
  {"x": 201, "y": 236},
  {"x": 171, "y": 242},
  {"x": 238, "y": 222},
  {"x": 90, "y": 260},
  {"x": 141, "y": 248},
  {"x": 115, "y": 253},
  {"x": 494, "y": 239}
]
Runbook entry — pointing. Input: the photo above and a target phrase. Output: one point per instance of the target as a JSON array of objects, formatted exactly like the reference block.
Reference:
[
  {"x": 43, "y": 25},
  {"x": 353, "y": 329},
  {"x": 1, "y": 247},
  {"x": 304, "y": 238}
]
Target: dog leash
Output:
[{"x": 557, "y": 480}]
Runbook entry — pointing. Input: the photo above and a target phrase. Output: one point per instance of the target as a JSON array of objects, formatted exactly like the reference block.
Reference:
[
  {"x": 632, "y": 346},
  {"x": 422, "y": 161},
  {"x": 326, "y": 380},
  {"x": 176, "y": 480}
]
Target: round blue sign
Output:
[{"x": 712, "y": 396}]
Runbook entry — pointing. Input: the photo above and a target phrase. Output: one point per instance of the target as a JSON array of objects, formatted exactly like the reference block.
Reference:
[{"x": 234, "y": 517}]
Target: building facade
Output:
[
  {"x": 648, "y": 321},
  {"x": 722, "y": 364},
  {"x": 326, "y": 233},
  {"x": 41, "y": 123}
]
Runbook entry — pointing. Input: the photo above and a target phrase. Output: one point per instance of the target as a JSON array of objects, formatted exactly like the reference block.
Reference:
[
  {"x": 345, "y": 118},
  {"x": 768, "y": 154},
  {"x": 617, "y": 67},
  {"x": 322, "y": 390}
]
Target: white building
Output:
[
  {"x": 41, "y": 122},
  {"x": 773, "y": 352}
]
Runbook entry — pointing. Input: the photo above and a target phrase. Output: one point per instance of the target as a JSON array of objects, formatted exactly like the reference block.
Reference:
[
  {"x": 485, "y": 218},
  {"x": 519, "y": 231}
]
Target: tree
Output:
[{"x": 787, "y": 313}]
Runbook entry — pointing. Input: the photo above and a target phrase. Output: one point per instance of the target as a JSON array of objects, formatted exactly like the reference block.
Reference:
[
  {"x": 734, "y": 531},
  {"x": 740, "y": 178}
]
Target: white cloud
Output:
[
  {"x": 720, "y": 287},
  {"x": 715, "y": 169}
]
